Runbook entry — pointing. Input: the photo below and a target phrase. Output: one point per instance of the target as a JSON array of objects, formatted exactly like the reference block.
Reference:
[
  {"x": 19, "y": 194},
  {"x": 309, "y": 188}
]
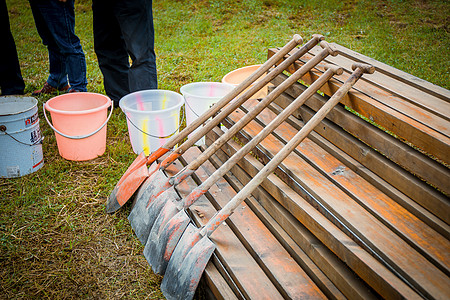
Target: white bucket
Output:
[
  {"x": 20, "y": 137},
  {"x": 152, "y": 117},
  {"x": 200, "y": 96}
]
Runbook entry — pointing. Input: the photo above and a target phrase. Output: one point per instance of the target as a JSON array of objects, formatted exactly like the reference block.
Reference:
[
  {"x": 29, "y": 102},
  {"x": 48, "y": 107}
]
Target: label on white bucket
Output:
[
  {"x": 13, "y": 171},
  {"x": 35, "y": 136},
  {"x": 31, "y": 120}
]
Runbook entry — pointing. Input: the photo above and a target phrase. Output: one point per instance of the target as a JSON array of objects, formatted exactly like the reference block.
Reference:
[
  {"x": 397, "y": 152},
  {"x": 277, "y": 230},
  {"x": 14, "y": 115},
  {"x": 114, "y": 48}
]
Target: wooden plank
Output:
[
  {"x": 411, "y": 160},
  {"x": 217, "y": 284},
  {"x": 399, "y": 96},
  {"x": 364, "y": 159},
  {"x": 393, "y": 73},
  {"x": 407, "y": 98},
  {"x": 362, "y": 263},
  {"x": 238, "y": 263},
  {"x": 279, "y": 266},
  {"x": 273, "y": 214},
  {"x": 425, "y": 240},
  {"x": 367, "y": 104},
  {"x": 410, "y": 264}
]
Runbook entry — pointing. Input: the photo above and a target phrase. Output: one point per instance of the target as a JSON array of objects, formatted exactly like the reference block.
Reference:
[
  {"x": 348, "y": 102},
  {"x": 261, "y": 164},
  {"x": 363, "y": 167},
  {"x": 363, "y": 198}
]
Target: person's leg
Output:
[
  {"x": 136, "y": 21},
  {"x": 110, "y": 48},
  {"x": 11, "y": 81},
  {"x": 57, "y": 64},
  {"x": 60, "y": 20}
]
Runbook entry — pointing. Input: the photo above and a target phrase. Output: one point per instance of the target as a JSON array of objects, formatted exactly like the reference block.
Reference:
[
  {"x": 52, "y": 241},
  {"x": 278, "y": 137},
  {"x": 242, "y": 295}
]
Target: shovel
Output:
[
  {"x": 195, "y": 248},
  {"x": 138, "y": 172},
  {"x": 171, "y": 204},
  {"x": 142, "y": 220}
]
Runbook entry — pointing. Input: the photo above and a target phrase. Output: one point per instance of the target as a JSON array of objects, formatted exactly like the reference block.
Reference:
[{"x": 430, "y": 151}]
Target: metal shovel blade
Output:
[
  {"x": 187, "y": 264},
  {"x": 163, "y": 240},
  {"x": 141, "y": 216},
  {"x": 162, "y": 209},
  {"x": 126, "y": 189},
  {"x": 113, "y": 204}
]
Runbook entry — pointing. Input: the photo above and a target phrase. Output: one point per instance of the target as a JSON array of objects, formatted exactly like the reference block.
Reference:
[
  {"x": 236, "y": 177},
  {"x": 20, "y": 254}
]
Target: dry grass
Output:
[{"x": 57, "y": 242}]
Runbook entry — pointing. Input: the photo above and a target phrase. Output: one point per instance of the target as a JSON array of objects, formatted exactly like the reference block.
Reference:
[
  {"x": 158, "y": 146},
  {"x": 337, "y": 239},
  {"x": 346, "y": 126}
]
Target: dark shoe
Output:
[
  {"x": 73, "y": 91},
  {"x": 48, "y": 89}
]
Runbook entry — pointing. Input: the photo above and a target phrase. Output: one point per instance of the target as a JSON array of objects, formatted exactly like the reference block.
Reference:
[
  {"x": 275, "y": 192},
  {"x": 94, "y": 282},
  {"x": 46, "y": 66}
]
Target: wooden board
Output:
[
  {"x": 312, "y": 254},
  {"x": 407, "y": 119},
  {"x": 368, "y": 228},
  {"x": 289, "y": 278},
  {"x": 362, "y": 159},
  {"x": 401, "y": 154}
]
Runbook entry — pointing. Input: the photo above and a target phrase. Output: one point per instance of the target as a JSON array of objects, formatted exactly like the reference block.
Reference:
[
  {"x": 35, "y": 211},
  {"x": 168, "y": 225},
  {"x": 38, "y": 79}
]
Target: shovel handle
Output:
[
  {"x": 263, "y": 104},
  {"x": 233, "y": 160},
  {"x": 236, "y": 91},
  {"x": 296, "y": 39},
  {"x": 237, "y": 102},
  {"x": 228, "y": 209},
  {"x": 194, "y": 165}
]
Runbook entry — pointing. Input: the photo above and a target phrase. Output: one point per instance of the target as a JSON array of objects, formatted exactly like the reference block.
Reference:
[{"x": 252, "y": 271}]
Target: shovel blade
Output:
[
  {"x": 160, "y": 247},
  {"x": 187, "y": 264},
  {"x": 139, "y": 215},
  {"x": 154, "y": 209},
  {"x": 121, "y": 193},
  {"x": 158, "y": 238}
]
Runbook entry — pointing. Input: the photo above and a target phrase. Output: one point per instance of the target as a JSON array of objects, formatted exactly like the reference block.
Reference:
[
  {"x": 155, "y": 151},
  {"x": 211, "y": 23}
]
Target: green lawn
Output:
[{"x": 55, "y": 239}]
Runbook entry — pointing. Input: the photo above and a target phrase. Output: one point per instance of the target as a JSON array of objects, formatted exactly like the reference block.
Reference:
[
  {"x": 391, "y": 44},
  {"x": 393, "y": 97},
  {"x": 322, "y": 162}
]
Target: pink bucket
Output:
[
  {"x": 79, "y": 122},
  {"x": 237, "y": 76}
]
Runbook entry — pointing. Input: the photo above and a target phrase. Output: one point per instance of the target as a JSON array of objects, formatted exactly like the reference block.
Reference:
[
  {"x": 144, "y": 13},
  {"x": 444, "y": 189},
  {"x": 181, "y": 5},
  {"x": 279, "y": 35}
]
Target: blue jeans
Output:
[
  {"x": 123, "y": 29},
  {"x": 55, "y": 23},
  {"x": 11, "y": 81}
]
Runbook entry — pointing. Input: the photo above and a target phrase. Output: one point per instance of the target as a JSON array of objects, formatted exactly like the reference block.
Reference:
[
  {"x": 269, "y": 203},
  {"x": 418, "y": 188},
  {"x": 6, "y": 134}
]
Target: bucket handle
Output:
[
  {"x": 151, "y": 135},
  {"x": 78, "y": 137}
]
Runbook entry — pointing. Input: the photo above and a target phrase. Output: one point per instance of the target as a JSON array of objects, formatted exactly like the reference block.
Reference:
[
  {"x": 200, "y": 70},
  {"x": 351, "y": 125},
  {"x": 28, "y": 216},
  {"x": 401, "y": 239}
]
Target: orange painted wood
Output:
[
  {"x": 370, "y": 102},
  {"x": 417, "y": 269},
  {"x": 330, "y": 136},
  {"x": 243, "y": 269},
  {"x": 290, "y": 279},
  {"x": 363, "y": 264},
  {"x": 425, "y": 240}
]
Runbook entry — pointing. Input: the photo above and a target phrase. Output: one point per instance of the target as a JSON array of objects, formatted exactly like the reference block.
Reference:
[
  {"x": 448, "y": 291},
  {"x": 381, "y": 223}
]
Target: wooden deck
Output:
[{"x": 359, "y": 210}]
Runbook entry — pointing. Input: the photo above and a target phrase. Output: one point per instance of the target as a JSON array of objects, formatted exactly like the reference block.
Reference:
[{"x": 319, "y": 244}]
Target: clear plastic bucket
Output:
[
  {"x": 152, "y": 117},
  {"x": 20, "y": 137},
  {"x": 200, "y": 96},
  {"x": 79, "y": 121},
  {"x": 237, "y": 76}
]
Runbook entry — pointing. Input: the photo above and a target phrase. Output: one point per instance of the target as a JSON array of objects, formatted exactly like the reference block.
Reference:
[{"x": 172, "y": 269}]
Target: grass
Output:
[{"x": 55, "y": 239}]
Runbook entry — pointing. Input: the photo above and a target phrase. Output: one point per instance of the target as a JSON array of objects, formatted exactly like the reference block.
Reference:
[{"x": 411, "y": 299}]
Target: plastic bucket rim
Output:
[
  {"x": 185, "y": 93},
  {"x": 35, "y": 103},
  {"x": 126, "y": 109},
  {"x": 236, "y": 70},
  {"x": 78, "y": 112}
]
